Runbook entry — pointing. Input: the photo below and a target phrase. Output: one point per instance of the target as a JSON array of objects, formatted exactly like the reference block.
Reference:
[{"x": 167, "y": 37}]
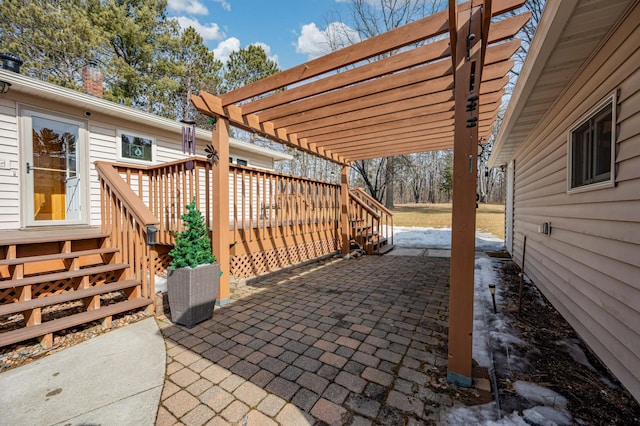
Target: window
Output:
[
  {"x": 591, "y": 150},
  {"x": 238, "y": 161},
  {"x": 132, "y": 146}
]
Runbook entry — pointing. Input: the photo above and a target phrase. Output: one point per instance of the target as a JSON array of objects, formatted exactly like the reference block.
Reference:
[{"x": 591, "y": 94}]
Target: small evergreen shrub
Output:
[{"x": 193, "y": 245}]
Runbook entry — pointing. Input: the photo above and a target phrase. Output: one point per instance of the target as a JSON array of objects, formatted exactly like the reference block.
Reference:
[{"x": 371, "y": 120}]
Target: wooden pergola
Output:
[{"x": 436, "y": 83}]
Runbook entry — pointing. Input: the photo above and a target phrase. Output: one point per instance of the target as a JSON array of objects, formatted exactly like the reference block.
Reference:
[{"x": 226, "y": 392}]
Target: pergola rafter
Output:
[
  {"x": 440, "y": 89},
  {"x": 321, "y": 112}
]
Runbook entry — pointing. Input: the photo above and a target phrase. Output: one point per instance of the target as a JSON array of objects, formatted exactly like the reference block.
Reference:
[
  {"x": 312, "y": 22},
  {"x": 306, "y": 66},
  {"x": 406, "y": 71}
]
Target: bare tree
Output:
[{"x": 368, "y": 18}]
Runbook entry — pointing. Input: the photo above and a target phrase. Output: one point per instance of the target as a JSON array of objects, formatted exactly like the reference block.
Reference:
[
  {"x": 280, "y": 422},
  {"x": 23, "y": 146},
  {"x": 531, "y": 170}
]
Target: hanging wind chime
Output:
[{"x": 188, "y": 136}]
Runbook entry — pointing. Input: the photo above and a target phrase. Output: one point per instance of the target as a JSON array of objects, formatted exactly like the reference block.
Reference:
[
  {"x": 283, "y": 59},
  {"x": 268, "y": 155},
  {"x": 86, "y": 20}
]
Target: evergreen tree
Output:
[
  {"x": 193, "y": 245},
  {"x": 246, "y": 66},
  {"x": 196, "y": 68},
  {"x": 56, "y": 39},
  {"x": 140, "y": 37}
]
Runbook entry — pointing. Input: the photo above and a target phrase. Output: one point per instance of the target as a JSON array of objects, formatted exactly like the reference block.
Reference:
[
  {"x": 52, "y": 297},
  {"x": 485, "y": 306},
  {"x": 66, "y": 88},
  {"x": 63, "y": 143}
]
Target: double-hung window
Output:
[{"x": 591, "y": 149}]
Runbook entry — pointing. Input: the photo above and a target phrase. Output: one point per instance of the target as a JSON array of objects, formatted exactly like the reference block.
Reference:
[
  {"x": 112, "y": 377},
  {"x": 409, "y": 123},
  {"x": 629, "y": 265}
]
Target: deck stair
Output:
[
  {"x": 50, "y": 282},
  {"x": 371, "y": 223}
]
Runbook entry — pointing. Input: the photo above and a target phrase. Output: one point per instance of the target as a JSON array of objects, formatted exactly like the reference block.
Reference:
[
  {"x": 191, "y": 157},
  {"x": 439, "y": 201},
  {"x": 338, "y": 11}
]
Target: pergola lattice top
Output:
[{"x": 364, "y": 102}]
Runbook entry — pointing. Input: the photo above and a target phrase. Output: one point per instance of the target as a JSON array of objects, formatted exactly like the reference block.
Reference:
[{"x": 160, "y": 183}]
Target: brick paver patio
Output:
[{"x": 360, "y": 341}]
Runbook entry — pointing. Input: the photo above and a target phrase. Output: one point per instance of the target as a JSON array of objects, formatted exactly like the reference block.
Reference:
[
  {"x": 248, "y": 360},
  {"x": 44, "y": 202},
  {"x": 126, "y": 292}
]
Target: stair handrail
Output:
[
  {"x": 382, "y": 214},
  {"x": 361, "y": 192},
  {"x": 131, "y": 224},
  {"x": 138, "y": 208},
  {"x": 369, "y": 209}
]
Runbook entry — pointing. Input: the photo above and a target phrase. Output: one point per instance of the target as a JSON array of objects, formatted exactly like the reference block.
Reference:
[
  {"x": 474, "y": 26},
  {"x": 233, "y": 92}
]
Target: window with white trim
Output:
[
  {"x": 238, "y": 161},
  {"x": 137, "y": 147},
  {"x": 592, "y": 149}
]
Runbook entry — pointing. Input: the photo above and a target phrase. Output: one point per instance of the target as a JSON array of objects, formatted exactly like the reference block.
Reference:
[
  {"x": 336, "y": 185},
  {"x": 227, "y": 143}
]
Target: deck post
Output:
[
  {"x": 220, "y": 240},
  {"x": 344, "y": 209},
  {"x": 468, "y": 71}
]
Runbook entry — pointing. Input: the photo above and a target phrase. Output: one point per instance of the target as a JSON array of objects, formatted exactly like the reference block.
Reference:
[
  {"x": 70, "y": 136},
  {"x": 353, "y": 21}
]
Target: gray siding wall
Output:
[{"x": 589, "y": 267}]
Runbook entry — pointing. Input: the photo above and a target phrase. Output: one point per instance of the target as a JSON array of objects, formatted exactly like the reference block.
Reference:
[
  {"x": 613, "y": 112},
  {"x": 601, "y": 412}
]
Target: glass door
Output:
[{"x": 53, "y": 170}]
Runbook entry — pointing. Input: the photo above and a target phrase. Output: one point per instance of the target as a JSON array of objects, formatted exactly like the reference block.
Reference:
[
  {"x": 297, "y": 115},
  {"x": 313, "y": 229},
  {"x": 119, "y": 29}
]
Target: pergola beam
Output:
[
  {"x": 395, "y": 39},
  {"x": 367, "y": 94},
  {"x": 419, "y": 56},
  {"x": 368, "y": 137},
  {"x": 424, "y": 94},
  {"x": 412, "y": 33},
  {"x": 461, "y": 282}
]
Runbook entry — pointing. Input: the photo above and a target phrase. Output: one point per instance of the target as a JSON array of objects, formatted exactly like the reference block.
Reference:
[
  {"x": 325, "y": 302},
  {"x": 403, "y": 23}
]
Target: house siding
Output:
[
  {"x": 101, "y": 141},
  {"x": 9, "y": 178},
  {"x": 589, "y": 265}
]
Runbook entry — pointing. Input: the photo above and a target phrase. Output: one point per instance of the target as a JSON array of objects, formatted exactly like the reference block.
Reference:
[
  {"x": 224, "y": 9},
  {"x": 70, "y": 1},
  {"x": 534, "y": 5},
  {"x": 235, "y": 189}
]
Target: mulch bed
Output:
[
  {"x": 22, "y": 353},
  {"x": 594, "y": 395}
]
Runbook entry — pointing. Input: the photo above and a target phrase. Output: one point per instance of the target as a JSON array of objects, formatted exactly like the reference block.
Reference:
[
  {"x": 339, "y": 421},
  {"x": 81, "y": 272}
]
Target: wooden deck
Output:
[{"x": 47, "y": 234}]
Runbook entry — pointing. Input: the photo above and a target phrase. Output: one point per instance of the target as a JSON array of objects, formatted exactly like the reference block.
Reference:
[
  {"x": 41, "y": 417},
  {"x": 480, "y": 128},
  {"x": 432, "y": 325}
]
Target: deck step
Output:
[
  {"x": 36, "y": 237},
  {"x": 26, "y": 333},
  {"x": 385, "y": 249},
  {"x": 36, "y": 279},
  {"x": 41, "y": 302},
  {"x": 59, "y": 256}
]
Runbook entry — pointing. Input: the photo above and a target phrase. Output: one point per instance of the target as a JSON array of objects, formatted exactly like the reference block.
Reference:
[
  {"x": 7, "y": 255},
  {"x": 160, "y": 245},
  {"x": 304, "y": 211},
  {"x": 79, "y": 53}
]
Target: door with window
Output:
[{"x": 53, "y": 170}]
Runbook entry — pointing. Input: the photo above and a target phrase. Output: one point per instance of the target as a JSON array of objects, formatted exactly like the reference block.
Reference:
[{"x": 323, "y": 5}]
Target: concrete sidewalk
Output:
[{"x": 113, "y": 379}]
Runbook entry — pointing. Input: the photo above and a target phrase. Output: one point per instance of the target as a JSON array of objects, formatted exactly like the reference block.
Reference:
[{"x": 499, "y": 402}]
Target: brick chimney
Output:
[{"x": 92, "y": 79}]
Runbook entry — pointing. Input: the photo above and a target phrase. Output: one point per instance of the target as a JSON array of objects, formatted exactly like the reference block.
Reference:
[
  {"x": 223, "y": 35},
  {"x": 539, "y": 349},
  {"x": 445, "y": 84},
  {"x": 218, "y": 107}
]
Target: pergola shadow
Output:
[{"x": 337, "y": 342}]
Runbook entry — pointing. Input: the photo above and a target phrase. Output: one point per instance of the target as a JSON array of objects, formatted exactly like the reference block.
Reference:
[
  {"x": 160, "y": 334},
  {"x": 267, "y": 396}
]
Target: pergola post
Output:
[
  {"x": 220, "y": 240},
  {"x": 344, "y": 210},
  {"x": 468, "y": 70}
]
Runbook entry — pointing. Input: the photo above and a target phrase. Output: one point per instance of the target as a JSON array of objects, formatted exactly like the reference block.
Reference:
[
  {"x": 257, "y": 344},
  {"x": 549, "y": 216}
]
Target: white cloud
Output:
[
  {"x": 191, "y": 7},
  {"x": 208, "y": 31},
  {"x": 225, "y": 47},
  {"x": 315, "y": 42},
  {"x": 267, "y": 50},
  {"x": 225, "y": 5},
  {"x": 312, "y": 42}
]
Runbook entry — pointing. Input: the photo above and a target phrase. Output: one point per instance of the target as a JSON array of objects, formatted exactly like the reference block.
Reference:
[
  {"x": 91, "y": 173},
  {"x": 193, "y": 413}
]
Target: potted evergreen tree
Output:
[{"x": 193, "y": 278}]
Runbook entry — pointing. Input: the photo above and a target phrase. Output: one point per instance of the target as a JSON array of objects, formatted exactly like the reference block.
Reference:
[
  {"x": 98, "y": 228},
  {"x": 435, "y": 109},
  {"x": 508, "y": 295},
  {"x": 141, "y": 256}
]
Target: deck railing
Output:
[
  {"x": 167, "y": 188},
  {"x": 272, "y": 207},
  {"x": 278, "y": 220},
  {"x": 370, "y": 221},
  {"x": 127, "y": 219},
  {"x": 274, "y": 219}
]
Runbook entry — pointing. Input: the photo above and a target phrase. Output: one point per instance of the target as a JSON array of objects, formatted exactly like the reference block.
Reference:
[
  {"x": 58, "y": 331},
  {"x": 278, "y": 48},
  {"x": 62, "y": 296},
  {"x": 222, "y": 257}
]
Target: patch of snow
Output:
[
  {"x": 576, "y": 353},
  {"x": 539, "y": 394},
  {"x": 483, "y": 276},
  {"x": 486, "y": 415},
  {"x": 547, "y": 416},
  {"x": 608, "y": 383},
  {"x": 504, "y": 338},
  {"x": 440, "y": 238}
]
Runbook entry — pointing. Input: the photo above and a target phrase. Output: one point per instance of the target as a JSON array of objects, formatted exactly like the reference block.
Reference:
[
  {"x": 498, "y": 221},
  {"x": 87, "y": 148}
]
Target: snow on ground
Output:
[
  {"x": 543, "y": 406},
  {"x": 440, "y": 238}
]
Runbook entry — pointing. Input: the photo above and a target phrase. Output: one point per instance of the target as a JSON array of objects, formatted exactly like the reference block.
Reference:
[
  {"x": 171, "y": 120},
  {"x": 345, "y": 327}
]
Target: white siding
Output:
[
  {"x": 102, "y": 146},
  {"x": 9, "y": 178},
  {"x": 589, "y": 267}
]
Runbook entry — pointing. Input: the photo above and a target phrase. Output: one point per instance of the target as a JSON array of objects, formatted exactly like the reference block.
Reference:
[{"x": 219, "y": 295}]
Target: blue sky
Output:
[{"x": 291, "y": 31}]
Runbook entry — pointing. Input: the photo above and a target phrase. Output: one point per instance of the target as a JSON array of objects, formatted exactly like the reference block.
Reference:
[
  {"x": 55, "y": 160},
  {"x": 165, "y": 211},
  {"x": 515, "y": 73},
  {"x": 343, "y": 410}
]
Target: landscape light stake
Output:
[
  {"x": 492, "y": 290},
  {"x": 524, "y": 252}
]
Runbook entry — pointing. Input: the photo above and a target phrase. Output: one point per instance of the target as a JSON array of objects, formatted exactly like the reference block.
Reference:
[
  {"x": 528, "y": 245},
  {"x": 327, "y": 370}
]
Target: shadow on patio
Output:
[{"x": 339, "y": 342}]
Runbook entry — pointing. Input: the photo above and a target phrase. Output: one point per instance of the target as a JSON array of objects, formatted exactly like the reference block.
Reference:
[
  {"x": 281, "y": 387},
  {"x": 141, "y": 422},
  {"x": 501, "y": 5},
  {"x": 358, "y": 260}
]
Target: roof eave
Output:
[
  {"x": 554, "y": 18},
  {"x": 37, "y": 88}
]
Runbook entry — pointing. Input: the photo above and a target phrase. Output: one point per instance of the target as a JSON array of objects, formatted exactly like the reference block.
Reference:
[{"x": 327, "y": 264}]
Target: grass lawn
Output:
[{"x": 489, "y": 217}]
